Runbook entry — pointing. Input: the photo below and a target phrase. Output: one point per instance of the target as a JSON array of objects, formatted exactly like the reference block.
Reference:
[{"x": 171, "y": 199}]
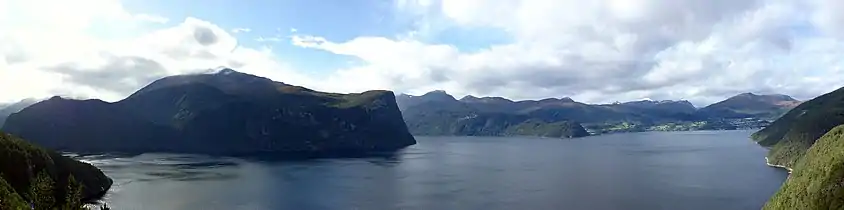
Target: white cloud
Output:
[
  {"x": 594, "y": 51},
  {"x": 241, "y": 30},
  {"x": 63, "y": 56},
  {"x": 151, "y": 18},
  {"x": 268, "y": 39},
  {"x": 608, "y": 50}
]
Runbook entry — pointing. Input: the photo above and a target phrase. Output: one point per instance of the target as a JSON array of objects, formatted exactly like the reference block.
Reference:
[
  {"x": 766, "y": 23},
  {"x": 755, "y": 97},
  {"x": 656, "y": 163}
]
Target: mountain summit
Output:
[
  {"x": 751, "y": 105},
  {"x": 226, "y": 112}
]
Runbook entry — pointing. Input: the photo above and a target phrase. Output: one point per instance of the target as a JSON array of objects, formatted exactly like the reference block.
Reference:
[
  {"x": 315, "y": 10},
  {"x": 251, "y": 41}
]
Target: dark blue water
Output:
[{"x": 677, "y": 170}]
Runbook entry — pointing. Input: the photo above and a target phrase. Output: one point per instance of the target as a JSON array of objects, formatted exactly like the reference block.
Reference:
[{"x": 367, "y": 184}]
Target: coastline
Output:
[{"x": 777, "y": 166}]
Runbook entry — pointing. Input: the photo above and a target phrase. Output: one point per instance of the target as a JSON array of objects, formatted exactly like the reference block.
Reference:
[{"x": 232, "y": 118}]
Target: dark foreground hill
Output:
[
  {"x": 224, "y": 113},
  {"x": 30, "y": 174}
]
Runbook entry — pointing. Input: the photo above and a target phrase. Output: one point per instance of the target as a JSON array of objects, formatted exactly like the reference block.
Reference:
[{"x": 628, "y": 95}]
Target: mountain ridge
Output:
[
  {"x": 639, "y": 115},
  {"x": 226, "y": 113},
  {"x": 6, "y": 110}
]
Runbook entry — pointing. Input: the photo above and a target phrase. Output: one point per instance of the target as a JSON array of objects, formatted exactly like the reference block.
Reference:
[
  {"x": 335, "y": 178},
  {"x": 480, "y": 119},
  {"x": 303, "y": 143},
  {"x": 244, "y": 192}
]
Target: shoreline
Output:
[{"x": 777, "y": 166}]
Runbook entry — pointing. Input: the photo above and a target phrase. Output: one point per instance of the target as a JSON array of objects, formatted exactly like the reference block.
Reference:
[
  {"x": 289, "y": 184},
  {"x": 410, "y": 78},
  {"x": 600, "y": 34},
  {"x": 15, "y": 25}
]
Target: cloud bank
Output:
[{"x": 597, "y": 51}]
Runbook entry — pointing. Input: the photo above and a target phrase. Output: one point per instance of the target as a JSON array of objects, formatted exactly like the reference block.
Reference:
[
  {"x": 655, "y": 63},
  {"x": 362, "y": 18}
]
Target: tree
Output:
[
  {"x": 9, "y": 199},
  {"x": 73, "y": 195},
  {"x": 41, "y": 192}
]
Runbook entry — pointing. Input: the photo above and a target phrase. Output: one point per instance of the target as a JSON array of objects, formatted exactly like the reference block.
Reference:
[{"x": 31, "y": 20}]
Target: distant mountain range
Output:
[
  {"x": 438, "y": 113},
  {"x": 222, "y": 113},
  {"x": 175, "y": 102}
]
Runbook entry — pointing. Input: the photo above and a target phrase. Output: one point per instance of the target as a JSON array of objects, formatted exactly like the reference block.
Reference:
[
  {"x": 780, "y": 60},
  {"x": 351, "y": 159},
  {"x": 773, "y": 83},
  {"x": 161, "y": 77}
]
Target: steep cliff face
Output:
[{"x": 222, "y": 113}]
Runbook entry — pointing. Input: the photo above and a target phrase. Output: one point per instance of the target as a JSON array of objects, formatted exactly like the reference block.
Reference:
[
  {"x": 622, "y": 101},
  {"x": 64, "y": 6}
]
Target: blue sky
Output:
[{"x": 335, "y": 20}]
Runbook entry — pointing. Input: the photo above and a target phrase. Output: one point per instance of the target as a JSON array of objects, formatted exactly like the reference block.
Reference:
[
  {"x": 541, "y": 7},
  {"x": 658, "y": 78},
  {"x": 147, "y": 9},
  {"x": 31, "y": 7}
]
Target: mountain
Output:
[
  {"x": 561, "y": 129},
  {"x": 792, "y": 134},
  {"x": 816, "y": 181},
  {"x": 600, "y": 117},
  {"x": 225, "y": 113},
  {"x": 30, "y": 174},
  {"x": 667, "y": 109},
  {"x": 665, "y": 106},
  {"x": 438, "y": 113},
  {"x": 750, "y": 105},
  {"x": 7, "y": 110},
  {"x": 405, "y": 101},
  {"x": 490, "y": 104}
]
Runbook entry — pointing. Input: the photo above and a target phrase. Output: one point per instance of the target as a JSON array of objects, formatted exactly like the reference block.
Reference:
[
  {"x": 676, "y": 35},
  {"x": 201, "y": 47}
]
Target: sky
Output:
[{"x": 598, "y": 51}]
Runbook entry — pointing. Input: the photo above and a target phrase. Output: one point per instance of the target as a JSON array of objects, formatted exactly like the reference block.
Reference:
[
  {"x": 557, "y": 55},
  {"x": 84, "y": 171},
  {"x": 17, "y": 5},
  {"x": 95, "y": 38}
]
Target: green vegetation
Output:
[
  {"x": 456, "y": 121},
  {"x": 9, "y": 199},
  {"x": 621, "y": 127},
  {"x": 45, "y": 179},
  {"x": 817, "y": 181},
  {"x": 563, "y": 129},
  {"x": 42, "y": 195},
  {"x": 614, "y": 127},
  {"x": 791, "y": 135},
  {"x": 368, "y": 99}
]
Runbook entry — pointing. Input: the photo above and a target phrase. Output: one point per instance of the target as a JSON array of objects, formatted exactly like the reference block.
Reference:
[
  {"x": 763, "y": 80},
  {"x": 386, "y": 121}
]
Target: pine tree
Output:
[
  {"x": 41, "y": 192},
  {"x": 73, "y": 195}
]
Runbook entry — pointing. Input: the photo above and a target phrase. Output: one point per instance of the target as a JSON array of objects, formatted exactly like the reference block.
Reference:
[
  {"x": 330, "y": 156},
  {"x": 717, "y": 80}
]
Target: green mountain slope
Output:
[
  {"x": 817, "y": 181},
  {"x": 792, "y": 134},
  {"x": 32, "y": 174},
  {"x": 563, "y": 129}
]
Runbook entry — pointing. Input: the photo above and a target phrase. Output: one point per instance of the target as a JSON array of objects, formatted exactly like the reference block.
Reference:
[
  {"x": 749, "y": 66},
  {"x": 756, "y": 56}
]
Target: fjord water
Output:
[{"x": 656, "y": 170}]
